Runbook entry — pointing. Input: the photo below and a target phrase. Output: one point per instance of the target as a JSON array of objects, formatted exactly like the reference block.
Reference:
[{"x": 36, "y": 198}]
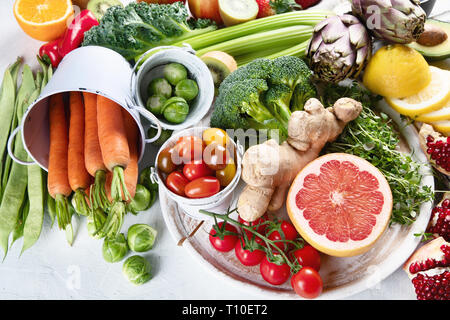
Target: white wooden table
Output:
[{"x": 53, "y": 270}]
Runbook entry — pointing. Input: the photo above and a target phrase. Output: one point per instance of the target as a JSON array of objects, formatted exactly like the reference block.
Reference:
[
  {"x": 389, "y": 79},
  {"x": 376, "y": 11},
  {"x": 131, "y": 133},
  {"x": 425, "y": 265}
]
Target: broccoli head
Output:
[
  {"x": 259, "y": 95},
  {"x": 277, "y": 100},
  {"x": 289, "y": 70},
  {"x": 138, "y": 27},
  {"x": 239, "y": 106},
  {"x": 304, "y": 91},
  {"x": 257, "y": 69}
]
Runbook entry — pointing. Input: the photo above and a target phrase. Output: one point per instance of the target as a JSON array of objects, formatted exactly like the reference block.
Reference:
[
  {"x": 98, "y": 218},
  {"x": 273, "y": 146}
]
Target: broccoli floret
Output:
[
  {"x": 290, "y": 71},
  {"x": 239, "y": 105},
  {"x": 257, "y": 69},
  {"x": 138, "y": 27},
  {"x": 277, "y": 100},
  {"x": 304, "y": 91}
]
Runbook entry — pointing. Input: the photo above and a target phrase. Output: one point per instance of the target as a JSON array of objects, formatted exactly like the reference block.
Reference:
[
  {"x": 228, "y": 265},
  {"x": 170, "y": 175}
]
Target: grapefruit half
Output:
[{"x": 340, "y": 204}]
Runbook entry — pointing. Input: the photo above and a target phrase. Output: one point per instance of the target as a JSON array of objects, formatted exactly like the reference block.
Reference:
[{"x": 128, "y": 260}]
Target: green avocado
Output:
[{"x": 440, "y": 51}]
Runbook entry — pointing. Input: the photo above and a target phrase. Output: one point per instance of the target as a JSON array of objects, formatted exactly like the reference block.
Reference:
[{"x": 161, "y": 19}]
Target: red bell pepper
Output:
[
  {"x": 74, "y": 34},
  {"x": 49, "y": 52}
]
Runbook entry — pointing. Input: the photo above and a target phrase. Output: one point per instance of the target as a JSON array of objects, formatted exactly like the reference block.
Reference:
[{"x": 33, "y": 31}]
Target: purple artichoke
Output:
[
  {"x": 399, "y": 21},
  {"x": 339, "y": 48}
]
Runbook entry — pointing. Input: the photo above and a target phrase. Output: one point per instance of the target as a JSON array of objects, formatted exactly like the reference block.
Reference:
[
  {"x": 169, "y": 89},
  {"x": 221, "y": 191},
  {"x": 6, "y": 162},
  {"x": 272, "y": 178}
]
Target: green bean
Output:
[
  {"x": 44, "y": 67},
  {"x": 51, "y": 208},
  {"x": 33, "y": 224},
  {"x": 14, "y": 191},
  {"x": 6, "y": 113},
  {"x": 18, "y": 230},
  {"x": 36, "y": 182},
  {"x": 26, "y": 89}
]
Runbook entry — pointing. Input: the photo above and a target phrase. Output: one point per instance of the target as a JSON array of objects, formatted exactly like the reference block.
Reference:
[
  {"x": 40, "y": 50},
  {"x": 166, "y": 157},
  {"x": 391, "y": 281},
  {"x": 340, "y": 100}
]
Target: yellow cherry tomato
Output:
[
  {"x": 216, "y": 135},
  {"x": 226, "y": 175}
]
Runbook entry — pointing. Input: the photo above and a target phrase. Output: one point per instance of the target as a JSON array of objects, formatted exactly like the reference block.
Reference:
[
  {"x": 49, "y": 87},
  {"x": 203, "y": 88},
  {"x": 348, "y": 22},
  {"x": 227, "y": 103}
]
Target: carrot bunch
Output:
[{"x": 96, "y": 143}]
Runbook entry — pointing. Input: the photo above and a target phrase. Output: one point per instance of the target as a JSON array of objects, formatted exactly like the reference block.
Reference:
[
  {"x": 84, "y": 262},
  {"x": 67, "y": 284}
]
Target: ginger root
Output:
[{"x": 269, "y": 168}]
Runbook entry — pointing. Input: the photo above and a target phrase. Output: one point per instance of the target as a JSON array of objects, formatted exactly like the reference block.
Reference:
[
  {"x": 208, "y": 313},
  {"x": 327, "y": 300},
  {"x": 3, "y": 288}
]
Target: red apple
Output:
[{"x": 205, "y": 9}]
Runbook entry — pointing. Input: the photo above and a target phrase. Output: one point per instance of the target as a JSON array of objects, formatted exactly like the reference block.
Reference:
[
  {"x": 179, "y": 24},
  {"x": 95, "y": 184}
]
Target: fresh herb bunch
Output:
[{"x": 372, "y": 136}]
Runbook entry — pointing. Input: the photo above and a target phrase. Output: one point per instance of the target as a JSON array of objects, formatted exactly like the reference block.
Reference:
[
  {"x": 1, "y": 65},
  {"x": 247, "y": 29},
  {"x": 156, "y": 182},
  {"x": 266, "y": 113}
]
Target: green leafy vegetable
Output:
[
  {"x": 373, "y": 137},
  {"x": 138, "y": 27}
]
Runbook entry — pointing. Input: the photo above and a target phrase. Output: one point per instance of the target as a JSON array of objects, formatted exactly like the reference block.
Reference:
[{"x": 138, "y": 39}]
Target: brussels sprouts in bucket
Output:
[
  {"x": 187, "y": 89},
  {"x": 141, "y": 237},
  {"x": 115, "y": 249},
  {"x": 175, "y": 110},
  {"x": 174, "y": 73},
  {"x": 137, "y": 270},
  {"x": 155, "y": 104},
  {"x": 160, "y": 87}
]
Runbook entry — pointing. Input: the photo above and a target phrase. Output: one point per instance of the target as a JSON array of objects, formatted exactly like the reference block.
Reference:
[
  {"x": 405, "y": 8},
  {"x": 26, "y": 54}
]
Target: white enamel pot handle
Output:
[{"x": 10, "y": 150}]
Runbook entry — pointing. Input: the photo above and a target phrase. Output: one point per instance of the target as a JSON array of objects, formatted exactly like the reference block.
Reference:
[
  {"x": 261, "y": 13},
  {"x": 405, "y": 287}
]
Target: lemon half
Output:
[{"x": 433, "y": 97}]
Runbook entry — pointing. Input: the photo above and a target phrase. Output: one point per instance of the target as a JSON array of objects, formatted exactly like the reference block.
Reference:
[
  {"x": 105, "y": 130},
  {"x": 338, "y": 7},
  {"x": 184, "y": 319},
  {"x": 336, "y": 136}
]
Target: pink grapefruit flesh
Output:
[{"x": 340, "y": 204}]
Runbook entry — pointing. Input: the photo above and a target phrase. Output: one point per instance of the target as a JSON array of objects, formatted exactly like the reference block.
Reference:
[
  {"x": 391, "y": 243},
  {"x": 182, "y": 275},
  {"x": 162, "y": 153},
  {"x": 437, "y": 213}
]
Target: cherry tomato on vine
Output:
[
  {"x": 307, "y": 283},
  {"x": 202, "y": 187},
  {"x": 223, "y": 243},
  {"x": 248, "y": 257},
  {"x": 196, "y": 169},
  {"x": 177, "y": 183},
  {"x": 259, "y": 227},
  {"x": 289, "y": 231},
  {"x": 274, "y": 273},
  {"x": 307, "y": 256}
]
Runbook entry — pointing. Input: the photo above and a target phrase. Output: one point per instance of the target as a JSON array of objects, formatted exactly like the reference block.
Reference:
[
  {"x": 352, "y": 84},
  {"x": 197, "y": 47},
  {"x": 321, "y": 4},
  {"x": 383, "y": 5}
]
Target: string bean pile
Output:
[{"x": 22, "y": 188}]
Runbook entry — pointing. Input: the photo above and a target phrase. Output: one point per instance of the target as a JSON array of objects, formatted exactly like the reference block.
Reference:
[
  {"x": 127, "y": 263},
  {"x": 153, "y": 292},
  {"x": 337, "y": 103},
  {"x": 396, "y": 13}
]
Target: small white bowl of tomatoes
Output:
[{"x": 199, "y": 168}]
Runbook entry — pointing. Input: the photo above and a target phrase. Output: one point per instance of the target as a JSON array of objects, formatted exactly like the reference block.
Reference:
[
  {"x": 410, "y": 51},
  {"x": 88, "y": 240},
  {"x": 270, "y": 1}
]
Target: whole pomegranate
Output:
[
  {"x": 440, "y": 219},
  {"x": 436, "y": 148},
  {"x": 429, "y": 270}
]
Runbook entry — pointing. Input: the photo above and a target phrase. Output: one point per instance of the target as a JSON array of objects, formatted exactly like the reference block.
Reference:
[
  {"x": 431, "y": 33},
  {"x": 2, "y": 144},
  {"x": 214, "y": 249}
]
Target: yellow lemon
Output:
[
  {"x": 396, "y": 71},
  {"x": 433, "y": 97}
]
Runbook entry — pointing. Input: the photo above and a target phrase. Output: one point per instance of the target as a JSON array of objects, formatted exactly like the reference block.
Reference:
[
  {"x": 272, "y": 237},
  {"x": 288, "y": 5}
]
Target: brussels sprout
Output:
[
  {"x": 187, "y": 89},
  {"x": 160, "y": 87},
  {"x": 175, "y": 110},
  {"x": 95, "y": 223},
  {"x": 141, "y": 237},
  {"x": 141, "y": 200},
  {"x": 175, "y": 72},
  {"x": 115, "y": 249},
  {"x": 144, "y": 179},
  {"x": 155, "y": 104},
  {"x": 137, "y": 270},
  {"x": 165, "y": 135}
]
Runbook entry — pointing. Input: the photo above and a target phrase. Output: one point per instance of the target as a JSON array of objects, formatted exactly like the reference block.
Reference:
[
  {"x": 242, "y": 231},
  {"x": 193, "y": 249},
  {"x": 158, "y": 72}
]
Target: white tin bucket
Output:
[
  {"x": 219, "y": 202},
  {"x": 93, "y": 69}
]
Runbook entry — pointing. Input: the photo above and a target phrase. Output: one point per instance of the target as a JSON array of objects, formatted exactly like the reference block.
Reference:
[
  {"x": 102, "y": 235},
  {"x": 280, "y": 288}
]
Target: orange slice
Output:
[{"x": 43, "y": 20}]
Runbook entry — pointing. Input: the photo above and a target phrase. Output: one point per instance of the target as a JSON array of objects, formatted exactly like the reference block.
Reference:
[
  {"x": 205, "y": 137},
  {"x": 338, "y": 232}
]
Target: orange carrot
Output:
[
  {"x": 78, "y": 175},
  {"x": 111, "y": 134},
  {"x": 113, "y": 144},
  {"x": 58, "y": 179},
  {"x": 92, "y": 152},
  {"x": 79, "y": 178},
  {"x": 132, "y": 170}
]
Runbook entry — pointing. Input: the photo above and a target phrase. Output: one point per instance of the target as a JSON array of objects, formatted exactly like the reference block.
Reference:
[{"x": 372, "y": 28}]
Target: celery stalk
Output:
[
  {"x": 262, "y": 40},
  {"x": 305, "y": 17}
]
